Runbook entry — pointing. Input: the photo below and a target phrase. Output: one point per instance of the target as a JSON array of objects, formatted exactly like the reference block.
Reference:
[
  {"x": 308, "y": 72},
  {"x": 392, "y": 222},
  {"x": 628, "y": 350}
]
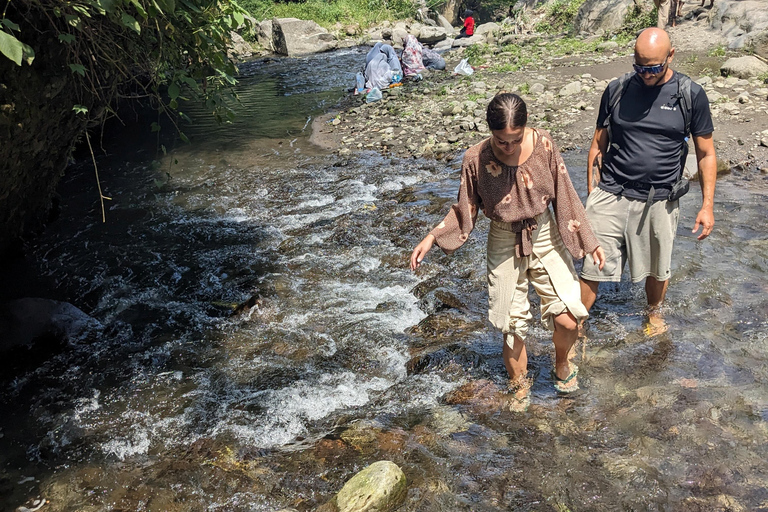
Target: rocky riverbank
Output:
[{"x": 562, "y": 80}]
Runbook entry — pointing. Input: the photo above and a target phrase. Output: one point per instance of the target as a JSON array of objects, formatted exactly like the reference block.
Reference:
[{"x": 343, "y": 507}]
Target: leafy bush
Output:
[
  {"x": 636, "y": 20},
  {"x": 475, "y": 54},
  {"x": 162, "y": 50},
  {"x": 719, "y": 51},
  {"x": 559, "y": 16}
]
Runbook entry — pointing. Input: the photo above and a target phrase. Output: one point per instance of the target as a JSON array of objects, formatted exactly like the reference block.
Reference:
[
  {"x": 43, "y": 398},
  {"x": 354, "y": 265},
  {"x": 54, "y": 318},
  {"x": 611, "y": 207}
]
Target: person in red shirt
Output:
[{"x": 469, "y": 25}]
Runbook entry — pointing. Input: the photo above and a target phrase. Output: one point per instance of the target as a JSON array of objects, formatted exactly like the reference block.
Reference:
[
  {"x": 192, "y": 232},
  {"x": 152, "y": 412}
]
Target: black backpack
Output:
[{"x": 616, "y": 90}]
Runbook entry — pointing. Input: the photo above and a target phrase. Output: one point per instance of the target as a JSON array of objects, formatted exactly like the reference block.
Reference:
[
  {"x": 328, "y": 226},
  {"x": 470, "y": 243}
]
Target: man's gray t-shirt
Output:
[{"x": 648, "y": 127}]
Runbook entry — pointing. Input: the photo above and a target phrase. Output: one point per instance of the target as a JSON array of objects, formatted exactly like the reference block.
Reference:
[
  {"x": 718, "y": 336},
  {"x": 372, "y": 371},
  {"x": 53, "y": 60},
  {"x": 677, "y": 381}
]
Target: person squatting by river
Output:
[
  {"x": 513, "y": 176},
  {"x": 640, "y": 145}
]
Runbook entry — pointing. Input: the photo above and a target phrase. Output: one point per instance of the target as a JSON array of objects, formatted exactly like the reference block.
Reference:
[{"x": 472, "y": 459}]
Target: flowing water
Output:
[{"x": 342, "y": 356}]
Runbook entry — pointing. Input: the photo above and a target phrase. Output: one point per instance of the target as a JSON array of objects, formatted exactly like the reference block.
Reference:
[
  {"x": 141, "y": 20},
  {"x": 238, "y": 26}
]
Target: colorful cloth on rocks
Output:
[
  {"x": 412, "y": 56},
  {"x": 517, "y": 194}
]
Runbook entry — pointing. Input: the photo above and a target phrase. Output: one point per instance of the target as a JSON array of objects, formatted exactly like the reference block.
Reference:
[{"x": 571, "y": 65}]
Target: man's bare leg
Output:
[
  {"x": 588, "y": 298},
  {"x": 655, "y": 291},
  {"x": 588, "y": 292}
]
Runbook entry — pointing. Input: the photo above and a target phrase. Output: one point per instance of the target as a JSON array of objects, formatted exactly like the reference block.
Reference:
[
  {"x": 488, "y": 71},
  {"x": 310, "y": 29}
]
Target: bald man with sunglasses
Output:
[{"x": 634, "y": 163}]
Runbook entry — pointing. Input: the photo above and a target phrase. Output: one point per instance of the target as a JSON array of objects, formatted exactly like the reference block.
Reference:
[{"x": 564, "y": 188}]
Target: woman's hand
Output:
[
  {"x": 421, "y": 251},
  {"x": 598, "y": 256}
]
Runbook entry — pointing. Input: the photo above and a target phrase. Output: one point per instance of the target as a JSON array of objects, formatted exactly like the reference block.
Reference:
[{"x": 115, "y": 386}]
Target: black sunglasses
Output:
[{"x": 653, "y": 70}]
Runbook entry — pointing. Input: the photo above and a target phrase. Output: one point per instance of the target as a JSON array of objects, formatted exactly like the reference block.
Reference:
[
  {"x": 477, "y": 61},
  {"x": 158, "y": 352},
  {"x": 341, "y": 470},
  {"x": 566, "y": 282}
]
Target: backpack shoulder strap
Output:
[
  {"x": 686, "y": 103},
  {"x": 615, "y": 90}
]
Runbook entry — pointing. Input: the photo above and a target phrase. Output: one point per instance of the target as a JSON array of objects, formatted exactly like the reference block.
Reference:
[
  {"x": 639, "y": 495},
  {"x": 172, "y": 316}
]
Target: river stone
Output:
[
  {"x": 381, "y": 487},
  {"x": 431, "y": 35},
  {"x": 605, "y": 15},
  {"x": 744, "y": 67},
  {"x": 714, "y": 96},
  {"x": 264, "y": 35},
  {"x": 446, "y": 420},
  {"x": 294, "y": 37},
  {"x": 608, "y": 45},
  {"x": 570, "y": 89},
  {"x": 443, "y": 22},
  {"x": 24, "y": 322},
  {"x": 399, "y": 35},
  {"x": 445, "y": 44},
  {"x": 442, "y": 147},
  {"x": 743, "y": 97},
  {"x": 469, "y": 41},
  {"x": 730, "y": 108},
  {"x": 704, "y": 81},
  {"x": 486, "y": 28},
  {"x": 238, "y": 48}
]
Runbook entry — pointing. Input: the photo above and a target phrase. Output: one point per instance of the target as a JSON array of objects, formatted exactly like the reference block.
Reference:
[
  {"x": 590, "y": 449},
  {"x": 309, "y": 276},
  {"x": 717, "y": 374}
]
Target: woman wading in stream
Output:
[{"x": 514, "y": 176}]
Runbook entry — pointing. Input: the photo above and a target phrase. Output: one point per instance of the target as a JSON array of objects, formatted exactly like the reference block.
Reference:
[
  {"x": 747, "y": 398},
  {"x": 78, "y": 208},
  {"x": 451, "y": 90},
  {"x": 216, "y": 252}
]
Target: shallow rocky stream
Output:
[{"x": 342, "y": 357}]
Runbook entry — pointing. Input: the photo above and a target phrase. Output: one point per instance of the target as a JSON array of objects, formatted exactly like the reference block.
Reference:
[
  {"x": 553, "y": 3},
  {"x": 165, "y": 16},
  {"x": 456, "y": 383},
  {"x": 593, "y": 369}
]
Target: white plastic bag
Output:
[
  {"x": 373, "y": 95},
  {"x": 463, "y": 68}
]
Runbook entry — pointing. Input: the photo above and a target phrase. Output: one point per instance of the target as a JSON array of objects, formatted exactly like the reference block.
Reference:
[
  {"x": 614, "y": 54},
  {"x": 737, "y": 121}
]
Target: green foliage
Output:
[
  {"x": 763, "y": 78},
  {"x": 139, "y": 48},
  {"x": 327, "y": 13},
  {"x": 718, "y": 51},
  {"x": 524, "y": 88},
  {"x": 571, "y": 46},
  {"x": 559, "y": 16},
  {"x": 476, "y": 54},
  {"x": 636, "y": 20}
]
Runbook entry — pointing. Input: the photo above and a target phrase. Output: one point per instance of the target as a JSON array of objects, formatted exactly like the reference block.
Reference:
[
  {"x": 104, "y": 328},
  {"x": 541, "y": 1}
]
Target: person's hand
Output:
[
  {"x": 421, "y": 251},
  {"x": 705, "y": 219},
  {"x": 598, "y": 256}
]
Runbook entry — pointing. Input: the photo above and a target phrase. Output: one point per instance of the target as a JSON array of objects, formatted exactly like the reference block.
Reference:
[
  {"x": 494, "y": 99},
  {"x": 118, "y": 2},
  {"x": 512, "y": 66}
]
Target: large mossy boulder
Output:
[{"x": 381, "y": 487}]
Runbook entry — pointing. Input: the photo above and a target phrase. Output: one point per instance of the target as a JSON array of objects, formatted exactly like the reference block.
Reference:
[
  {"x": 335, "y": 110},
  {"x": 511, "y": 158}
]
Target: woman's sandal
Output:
[
  {"x": 519, "y": 391},
  {"x": 568, "y": 384}
]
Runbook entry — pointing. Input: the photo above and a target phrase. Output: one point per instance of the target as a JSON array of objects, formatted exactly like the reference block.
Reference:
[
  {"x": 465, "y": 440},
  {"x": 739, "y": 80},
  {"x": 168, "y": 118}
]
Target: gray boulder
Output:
[
  {"x": 469, "y": 41},
  {"x": 570, "y": 89},
  {"x": 381, "y": 487},
  {"x": 25, "y": 321},
  {"x": 295, "y": 37},
  {"x": 443, "y": 22},
  {"x": 740, "y": 20},
  {"x": 431, "y": 35},
  {"x": 758, "y": 43},
  {"x": 605, "y": 15},
  {"x": 445, "y": 44},
  {"x": 238, "y": 48},
  {"x": 743, "y": 67},
  {"x": 486, "y": 28},
  {"x": 264, "y": 35},
  {"x": 398, "y": 37}
]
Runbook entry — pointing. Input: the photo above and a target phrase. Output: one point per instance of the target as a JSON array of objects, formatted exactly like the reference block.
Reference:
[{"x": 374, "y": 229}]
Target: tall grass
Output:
[{"x": 329, "y": 12}]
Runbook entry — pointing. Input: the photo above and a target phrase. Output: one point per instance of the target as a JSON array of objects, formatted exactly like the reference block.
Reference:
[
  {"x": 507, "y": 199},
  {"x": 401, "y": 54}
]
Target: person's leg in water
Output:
[
  {"x": 515, "y": 358},
  {"x": 655, "y": 292},
  {"x": 564, "y": 338},
  {"x": 588, "y": 298}
]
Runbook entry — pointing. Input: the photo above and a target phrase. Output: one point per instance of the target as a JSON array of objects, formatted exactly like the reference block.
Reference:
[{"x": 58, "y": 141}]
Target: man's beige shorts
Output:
[
  {"x": 627, "y": 232},
  {"x": 549, "y": 268}
]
